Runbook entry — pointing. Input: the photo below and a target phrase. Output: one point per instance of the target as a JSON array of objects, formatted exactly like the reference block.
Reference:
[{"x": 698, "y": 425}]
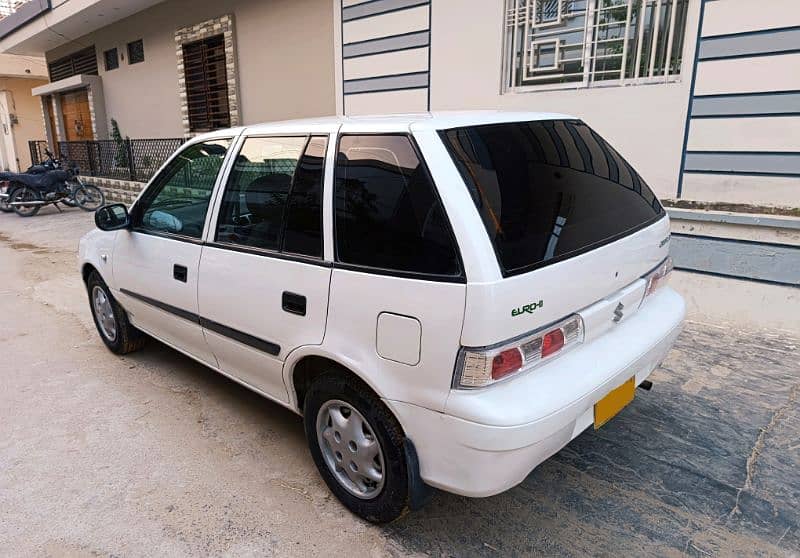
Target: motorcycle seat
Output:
[{"x": 44, "y": 181}]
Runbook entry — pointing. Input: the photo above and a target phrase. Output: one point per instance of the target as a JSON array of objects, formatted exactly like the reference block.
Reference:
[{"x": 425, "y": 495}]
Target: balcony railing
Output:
[{"x": 130, "y": 159}]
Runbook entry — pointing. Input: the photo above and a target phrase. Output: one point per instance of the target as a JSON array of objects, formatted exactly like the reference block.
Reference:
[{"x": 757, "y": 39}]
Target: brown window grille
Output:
[
  {"x": 206, "y": 84},
  {"x": 81, "y": 62}
]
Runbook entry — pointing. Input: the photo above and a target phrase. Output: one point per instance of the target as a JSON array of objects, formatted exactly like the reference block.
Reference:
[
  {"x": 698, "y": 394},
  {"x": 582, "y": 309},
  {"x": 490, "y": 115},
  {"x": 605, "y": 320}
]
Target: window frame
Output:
[
  {"x": 509, "y": 55},
  {"x": 192, "y": 124},
  {"x": 460, "y": 278},
  {"x": 128, "y": 51},
  {"x": 105, "y": 59},
  {"x": 147, "y": 195},
  {"x": 222, "y": 186}
]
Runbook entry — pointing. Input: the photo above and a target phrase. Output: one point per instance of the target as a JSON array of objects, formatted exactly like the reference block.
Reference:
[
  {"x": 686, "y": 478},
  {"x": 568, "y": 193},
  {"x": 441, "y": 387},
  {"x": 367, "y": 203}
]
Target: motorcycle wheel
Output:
[
  {"x": 26, "y": 194},
  {"x": 89, "y": 198}
]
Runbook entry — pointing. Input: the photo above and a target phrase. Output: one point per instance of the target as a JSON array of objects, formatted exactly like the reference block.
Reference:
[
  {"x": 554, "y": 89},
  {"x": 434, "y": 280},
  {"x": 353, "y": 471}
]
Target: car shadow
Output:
[{"x": 665, "y": 476}]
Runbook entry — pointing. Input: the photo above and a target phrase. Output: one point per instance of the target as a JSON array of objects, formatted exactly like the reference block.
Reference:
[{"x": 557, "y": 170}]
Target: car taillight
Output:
[
  {"x": 658, "y": 277},
  {"x": 482, "y": 367}
]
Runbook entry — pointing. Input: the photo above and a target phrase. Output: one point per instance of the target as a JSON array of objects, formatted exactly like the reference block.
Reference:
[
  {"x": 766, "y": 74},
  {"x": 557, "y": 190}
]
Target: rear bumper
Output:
[{"x": 489, "y": 440}]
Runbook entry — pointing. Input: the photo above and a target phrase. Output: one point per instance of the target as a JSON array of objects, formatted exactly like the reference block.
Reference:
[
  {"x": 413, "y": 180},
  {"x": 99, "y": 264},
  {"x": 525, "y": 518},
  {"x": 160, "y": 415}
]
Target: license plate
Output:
[{"x": 613, "y": 403}]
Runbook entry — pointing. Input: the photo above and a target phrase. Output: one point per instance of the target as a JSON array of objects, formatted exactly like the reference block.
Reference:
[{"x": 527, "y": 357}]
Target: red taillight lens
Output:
[
  {"x": 507, "y": 362},
  {"x": 552, "y": 342},
  {"x": 480, "y": 367}
]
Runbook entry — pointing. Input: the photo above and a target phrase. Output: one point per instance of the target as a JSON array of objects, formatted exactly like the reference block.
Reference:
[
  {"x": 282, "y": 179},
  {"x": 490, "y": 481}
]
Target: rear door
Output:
[
  {"x": 398, "y": 286},
  {"x": 263, "y": 287},
  {"x": 156, "y": 262}
]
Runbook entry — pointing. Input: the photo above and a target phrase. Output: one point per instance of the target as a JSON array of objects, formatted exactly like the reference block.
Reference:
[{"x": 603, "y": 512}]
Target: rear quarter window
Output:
[
  {"x": 387, "y": 213},
  {"x": 549, "y": 190}
]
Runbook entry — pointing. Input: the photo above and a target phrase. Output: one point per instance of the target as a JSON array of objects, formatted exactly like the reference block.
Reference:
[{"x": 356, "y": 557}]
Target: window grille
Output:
[
  {"x": 580, "y": 43},
  {"x": 81, "y": 62},
  {"x": 111, "y": 59},
  {"x": 206, "y": 84},
  {"x": 136, "y": 52}
]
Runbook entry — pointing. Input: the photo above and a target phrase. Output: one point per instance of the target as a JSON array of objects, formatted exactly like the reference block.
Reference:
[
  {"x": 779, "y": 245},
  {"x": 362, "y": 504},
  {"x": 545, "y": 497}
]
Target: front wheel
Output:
[
  {"x": 89, "y": 198},
  {"x": 4, "y": 207},
  {"x": 27, "y": 198},
  {"x": 357, "y": 445},
  {"x": 111, "y": 319}
]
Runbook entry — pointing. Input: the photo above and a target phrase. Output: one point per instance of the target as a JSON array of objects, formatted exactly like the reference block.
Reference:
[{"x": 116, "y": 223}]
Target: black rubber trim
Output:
[
  {"x": 181, "y": 313},
  {"x": 241, "y": 337},
  {"x": 225, "y": 331},
  {"x": 311, "y": 260},
  {"x": 419, "y": 493}
]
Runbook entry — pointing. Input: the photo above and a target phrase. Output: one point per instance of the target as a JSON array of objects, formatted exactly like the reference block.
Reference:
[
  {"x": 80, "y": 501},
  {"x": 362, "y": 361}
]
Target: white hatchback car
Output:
[{"x": 448, "y": 299}]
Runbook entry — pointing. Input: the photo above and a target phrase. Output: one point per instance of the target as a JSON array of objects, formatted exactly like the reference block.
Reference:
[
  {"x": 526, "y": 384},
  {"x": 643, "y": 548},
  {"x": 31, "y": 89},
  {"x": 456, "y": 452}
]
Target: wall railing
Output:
[{"x": 129, "y": 159}]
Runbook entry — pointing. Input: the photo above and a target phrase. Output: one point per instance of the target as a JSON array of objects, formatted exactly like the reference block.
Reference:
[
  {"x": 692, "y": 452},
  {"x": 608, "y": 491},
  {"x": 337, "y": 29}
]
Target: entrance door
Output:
[{"x": 77, "y": 117}]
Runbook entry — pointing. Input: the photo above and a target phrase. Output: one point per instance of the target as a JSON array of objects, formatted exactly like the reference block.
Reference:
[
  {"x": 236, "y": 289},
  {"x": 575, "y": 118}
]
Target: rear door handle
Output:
[
  {"x": 179, "y": 273},
  {"x": 294, "y": 303}
]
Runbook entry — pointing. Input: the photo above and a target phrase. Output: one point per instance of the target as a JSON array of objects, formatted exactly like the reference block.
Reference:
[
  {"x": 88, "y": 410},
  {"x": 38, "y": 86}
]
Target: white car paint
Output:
[{"x": 474, "y": 442}]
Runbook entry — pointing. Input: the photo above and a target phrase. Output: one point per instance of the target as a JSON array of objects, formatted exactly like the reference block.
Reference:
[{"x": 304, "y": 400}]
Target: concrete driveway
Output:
[{"x": 153, "y": 454}]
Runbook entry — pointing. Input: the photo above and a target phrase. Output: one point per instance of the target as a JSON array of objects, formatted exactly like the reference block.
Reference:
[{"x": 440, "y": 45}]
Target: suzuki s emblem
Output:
[{"x": 618, "y": 312}]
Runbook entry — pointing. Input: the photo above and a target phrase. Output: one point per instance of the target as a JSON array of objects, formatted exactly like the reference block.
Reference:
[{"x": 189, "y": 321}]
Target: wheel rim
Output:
[
  {"x": 104, "y": 314},
  {"x": 89, "y": 198},
  {"x": 25, "y": 195},
  {"x": 350, "y": 449}
]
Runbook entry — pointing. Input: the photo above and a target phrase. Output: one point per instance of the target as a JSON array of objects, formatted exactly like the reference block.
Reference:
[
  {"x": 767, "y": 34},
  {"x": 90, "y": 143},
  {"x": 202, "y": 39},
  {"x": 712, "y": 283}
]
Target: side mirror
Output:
[{"x": 112, "y": 217}]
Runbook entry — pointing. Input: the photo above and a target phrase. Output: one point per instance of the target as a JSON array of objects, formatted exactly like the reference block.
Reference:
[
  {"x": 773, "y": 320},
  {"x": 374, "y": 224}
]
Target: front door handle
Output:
[
  {"x": 294, "y": 303},
  {"x": 180, "y": 273}
]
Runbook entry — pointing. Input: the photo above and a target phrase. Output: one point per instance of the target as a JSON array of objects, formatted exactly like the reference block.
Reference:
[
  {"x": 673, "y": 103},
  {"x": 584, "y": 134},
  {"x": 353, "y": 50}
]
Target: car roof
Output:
[{"x": 387, "y": 123}]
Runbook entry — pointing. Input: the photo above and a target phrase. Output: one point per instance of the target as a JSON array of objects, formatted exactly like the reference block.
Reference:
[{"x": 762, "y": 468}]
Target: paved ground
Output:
[{"x": 153, "y": 454}]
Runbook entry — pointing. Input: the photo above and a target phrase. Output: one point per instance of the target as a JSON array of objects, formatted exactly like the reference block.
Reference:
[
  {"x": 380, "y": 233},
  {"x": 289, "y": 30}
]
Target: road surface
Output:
[{"x": 153, "y": 454}]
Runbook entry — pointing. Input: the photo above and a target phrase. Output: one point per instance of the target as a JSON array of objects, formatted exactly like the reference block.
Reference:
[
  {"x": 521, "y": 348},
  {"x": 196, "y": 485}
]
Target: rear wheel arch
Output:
[{"x": 310, "y": 367}]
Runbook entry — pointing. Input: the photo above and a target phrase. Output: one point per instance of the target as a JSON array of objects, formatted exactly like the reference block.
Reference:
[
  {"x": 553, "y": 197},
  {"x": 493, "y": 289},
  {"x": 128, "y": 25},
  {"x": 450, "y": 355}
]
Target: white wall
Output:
[
  {"x": 285, "y": 62},
  {"x": 744, "y": 139},
  {"x": 644, "y": 122}
]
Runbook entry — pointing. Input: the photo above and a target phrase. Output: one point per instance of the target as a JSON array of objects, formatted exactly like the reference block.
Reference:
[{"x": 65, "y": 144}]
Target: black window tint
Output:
[
  {"x": 303, "y": 227},
  {"x": 387, "y": 212},
  {"x": 177, "y": 200},
  {"x": 549, "y": 190},
  {"x": 257, "y": 191}
]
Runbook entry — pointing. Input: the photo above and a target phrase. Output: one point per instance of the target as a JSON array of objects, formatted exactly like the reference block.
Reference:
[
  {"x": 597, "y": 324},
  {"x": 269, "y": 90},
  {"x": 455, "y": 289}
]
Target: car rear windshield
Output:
[{"x": 548, "y": 190}]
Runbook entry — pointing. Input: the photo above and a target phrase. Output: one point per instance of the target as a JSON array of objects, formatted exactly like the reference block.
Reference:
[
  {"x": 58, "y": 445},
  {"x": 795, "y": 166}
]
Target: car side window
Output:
[
  {"x": 387, "y": 212},
  {"x": 177, "y": 200},
  {"x": 303, "y": 226},
  {"x": 272, "y": 199}
]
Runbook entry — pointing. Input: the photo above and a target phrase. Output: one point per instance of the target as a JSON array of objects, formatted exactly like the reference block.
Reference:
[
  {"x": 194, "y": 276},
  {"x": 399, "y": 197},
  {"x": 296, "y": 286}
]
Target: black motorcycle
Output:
[{"x": 26, "y": 193}]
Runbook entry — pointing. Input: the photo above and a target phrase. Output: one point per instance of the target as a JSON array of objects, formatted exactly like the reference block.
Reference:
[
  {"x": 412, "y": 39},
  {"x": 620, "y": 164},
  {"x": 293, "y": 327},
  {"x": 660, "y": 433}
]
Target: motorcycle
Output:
[
  {"x": 51, "y": 163},
  {"x": 46, "y": 184}
]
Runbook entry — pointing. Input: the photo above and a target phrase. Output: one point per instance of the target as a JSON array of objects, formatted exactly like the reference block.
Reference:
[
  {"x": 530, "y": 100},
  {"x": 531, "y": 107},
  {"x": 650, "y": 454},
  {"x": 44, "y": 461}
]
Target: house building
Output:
[
  {"x": 702, "y": 96},
  {"x": 20, "y": 112}
]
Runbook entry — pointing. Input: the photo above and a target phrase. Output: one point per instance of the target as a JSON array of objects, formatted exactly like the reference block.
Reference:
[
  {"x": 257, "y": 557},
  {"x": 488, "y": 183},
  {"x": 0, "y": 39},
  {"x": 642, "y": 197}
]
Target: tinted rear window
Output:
[{"x": 549, "y": 190}]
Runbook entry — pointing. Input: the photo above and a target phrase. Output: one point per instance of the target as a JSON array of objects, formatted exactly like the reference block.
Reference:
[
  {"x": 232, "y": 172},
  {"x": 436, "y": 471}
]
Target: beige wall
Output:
[
  {"x": 285, "y": 62},
  {"x": 644, "y": 122},
  {"x": 28, "y": 110}
]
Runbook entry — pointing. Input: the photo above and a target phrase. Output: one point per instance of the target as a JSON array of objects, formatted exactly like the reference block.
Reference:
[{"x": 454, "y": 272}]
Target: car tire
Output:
[
  {"x": 330, "y": 394},
  {"x": 111, "y": 319}
]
